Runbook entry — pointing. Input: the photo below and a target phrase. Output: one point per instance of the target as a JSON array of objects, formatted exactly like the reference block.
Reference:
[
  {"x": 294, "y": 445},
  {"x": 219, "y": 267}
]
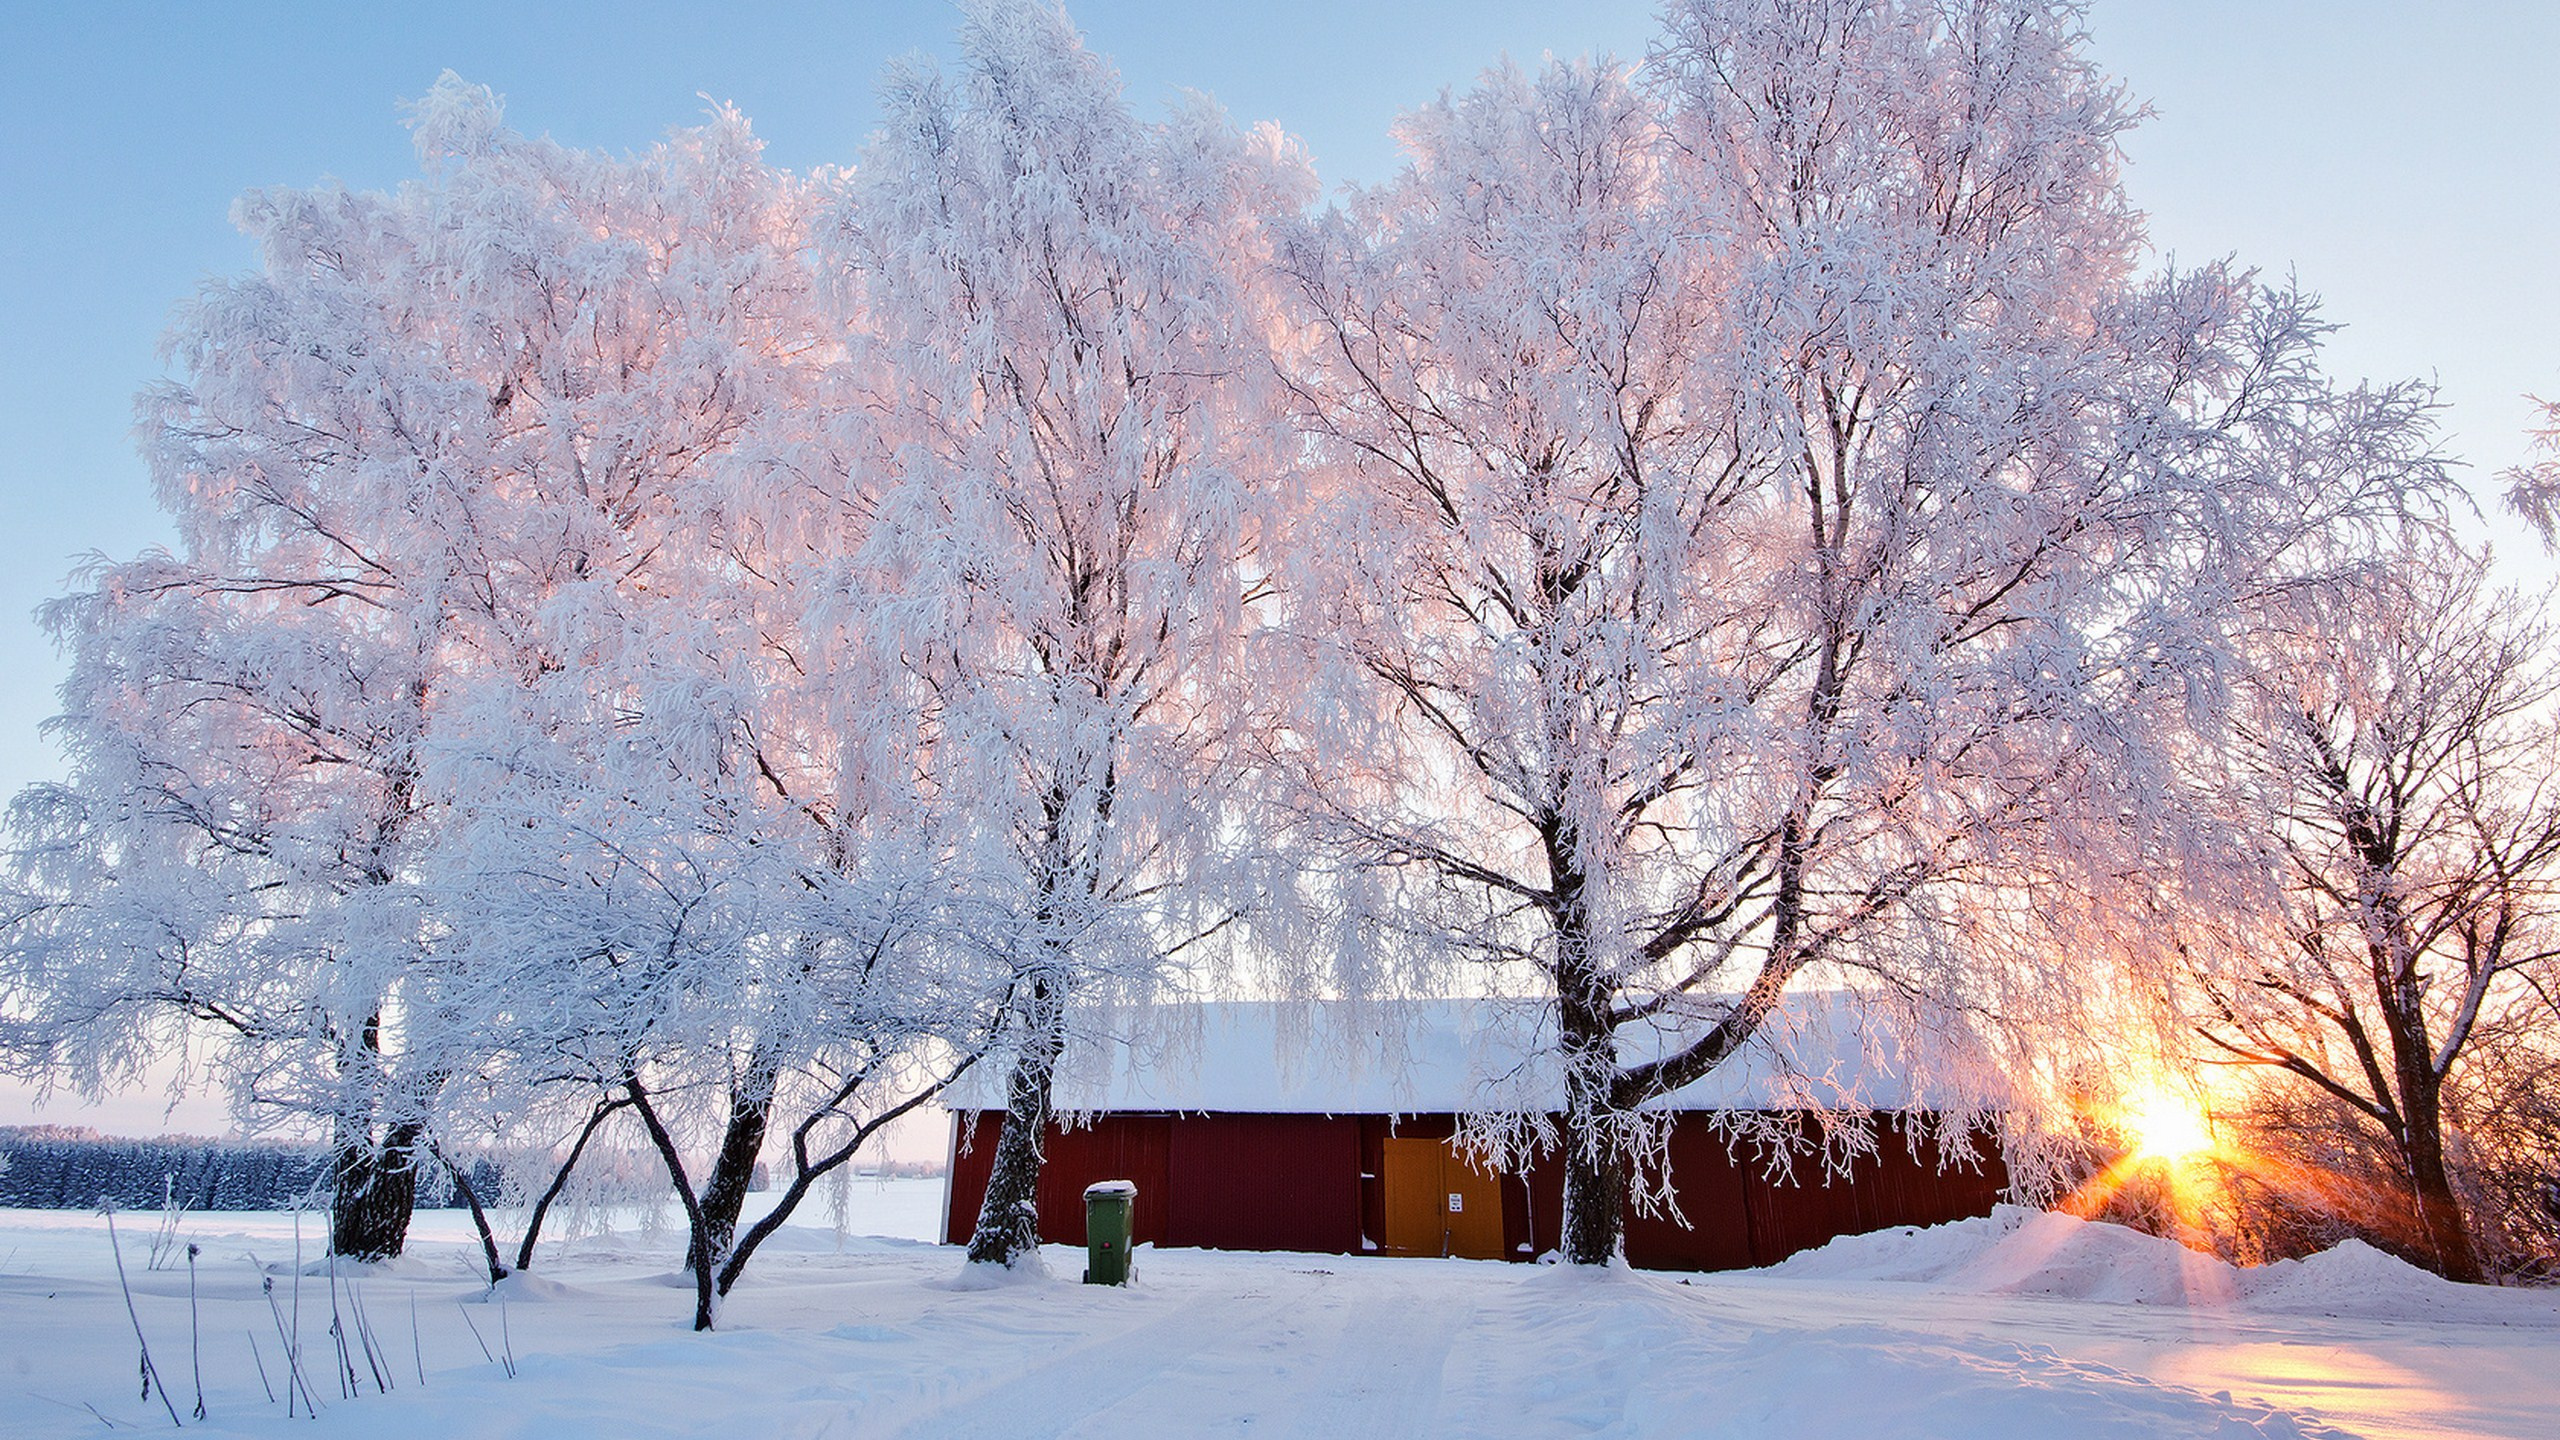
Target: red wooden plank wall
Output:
[
  {"x": 1307, "y": 1182},
  {"x": 1113, "y": 1147},
  {"x": 1265, "y": 1182},
  {"x": 1739, "y": 1215},
  {"x": 1712, "y": 1194}
]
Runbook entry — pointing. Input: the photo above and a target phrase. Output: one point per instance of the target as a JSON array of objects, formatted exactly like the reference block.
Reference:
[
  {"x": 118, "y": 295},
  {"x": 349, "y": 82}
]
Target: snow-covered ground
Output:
[{"x": 2016, "y": 1325}]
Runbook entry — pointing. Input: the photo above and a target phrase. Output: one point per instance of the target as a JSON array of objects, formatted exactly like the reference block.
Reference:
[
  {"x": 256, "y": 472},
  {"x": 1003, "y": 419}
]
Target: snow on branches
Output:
[
  {"x": 659, "y": 640},
  {"x": 1068, "y": 388}
]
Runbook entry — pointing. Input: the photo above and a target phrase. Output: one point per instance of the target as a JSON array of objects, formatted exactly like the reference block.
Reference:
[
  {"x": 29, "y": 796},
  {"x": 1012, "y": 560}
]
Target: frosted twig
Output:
[
  {"x": 475, "y": 1333},
  {"x": 506, "y": 1337},
  {"x": 294, "y": 1345},
  {"x": 292, "y": 1355},
  {"x": 150, "y": 1374},
  {"x": 374, "y": 1359},
  {"x": 195, "y": 1330},
  {"x": 164, "y": 1241},
  {"x": 261, "y": 1359},
  {"x": 338, "y": 1332}
]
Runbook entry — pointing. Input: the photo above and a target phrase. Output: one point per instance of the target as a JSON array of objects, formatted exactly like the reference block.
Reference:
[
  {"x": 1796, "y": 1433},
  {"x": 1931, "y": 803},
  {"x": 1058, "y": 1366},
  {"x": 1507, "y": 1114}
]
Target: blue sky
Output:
[{"x": 2402, "y": 160}]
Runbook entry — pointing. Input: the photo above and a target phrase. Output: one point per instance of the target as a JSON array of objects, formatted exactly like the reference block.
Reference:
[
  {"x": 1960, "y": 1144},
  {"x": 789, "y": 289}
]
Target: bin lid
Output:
[{"x": 1111, "y": 1187}]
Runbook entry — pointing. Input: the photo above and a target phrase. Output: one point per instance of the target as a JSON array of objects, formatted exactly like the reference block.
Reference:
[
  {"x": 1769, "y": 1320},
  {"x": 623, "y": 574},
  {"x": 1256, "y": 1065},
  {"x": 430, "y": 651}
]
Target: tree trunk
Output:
[
  {"x": 373, "y": 1190},
  {"x": 1595, "y": 1152},
  {"x": 2392, "y": 951},
  {"x": 479, "y": 1216},
  {"x": 1009, "y": 1220},
  {"x": 1595, "y": 1157},
  {"x": 2438, "y": 1210},
  {"x": 706, "y": 1303},
  {"x": 559, "y": 1182},
  {"x": 806, "y": 1172},
  {"x": 725, "y": 1193}
]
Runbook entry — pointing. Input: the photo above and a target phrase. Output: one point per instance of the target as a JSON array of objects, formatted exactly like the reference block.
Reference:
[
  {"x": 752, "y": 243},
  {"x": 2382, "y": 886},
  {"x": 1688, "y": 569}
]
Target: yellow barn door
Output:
[{"x": 1437, "y": 1203}]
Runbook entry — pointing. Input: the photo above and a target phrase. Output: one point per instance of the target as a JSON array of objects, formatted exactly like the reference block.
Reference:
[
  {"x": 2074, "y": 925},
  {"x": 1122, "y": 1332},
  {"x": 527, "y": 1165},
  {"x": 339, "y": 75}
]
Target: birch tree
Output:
[
  {"x": 406, "y": 459},
  {"x": 1764, "y": 513},
  {"x": 1067, "y": 400},
  {"x": 2394, "y": 744},
  {"x": 697, "y": 884}
]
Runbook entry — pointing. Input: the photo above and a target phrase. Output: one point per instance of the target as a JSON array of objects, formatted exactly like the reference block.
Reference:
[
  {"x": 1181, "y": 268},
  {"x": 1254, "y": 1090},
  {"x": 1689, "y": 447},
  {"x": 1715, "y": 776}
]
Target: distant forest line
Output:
[
  {"x": 61, "y": 1168},
  {"x": 67, "y": 1167}
]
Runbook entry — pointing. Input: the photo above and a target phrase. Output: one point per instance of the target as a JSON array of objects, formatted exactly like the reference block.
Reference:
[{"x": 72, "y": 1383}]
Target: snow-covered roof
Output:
[{"x": 1820, "y": 1050}]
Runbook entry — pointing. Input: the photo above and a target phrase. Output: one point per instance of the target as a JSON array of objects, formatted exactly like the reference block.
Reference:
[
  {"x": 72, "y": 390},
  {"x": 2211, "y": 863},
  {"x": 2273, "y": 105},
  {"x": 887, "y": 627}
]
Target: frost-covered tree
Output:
[
  {"x": 616, "y": 847},
  {"x": 2391, "y": 758},
  {"x": 245, "y": 718},
  {"x": 2533, "y": 488},
  {"x": 412, "y": 462},
  {"x": 1521, "y": 585},
  {"x": 1764, "y": 516},
  {"x": 655, "y": 636},
  {"x": 1066, "y": 400},
  {"x": 692, "y": 901},
  {"x": 686, "y": 875}
]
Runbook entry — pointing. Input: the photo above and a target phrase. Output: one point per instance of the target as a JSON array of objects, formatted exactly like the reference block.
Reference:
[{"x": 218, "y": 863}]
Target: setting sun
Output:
[{"x": 2164, "y": 1126}]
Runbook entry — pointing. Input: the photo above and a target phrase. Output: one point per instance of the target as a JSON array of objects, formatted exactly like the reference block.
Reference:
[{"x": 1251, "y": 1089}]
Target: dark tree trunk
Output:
[
  {"x": 2392, "y": 951},
  {"x": 806, "y": 1172},
  {"x": 724, "y": 1194},
  {"x": 706, "y": 1303},
  {"x": 1634, "y": 1085},
  {"x": 559, "y": 1182},
  {"x": 1595, "y": 1155},
  {"x": 479, "y": 1216},
  {"x": 1595, "y": 1164},
  {"x": 374, "y": 1188},
  {"x": 1009, "y": 1220},
  {"x": 2442, "y": 1228},
  {"x": 2440, "y": 1217}
]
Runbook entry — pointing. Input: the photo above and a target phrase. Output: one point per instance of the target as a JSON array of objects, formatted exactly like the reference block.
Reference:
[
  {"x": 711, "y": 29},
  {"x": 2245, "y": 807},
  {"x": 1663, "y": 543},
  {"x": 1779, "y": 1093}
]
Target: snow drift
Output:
[{"x": 2017, "y": 1251}]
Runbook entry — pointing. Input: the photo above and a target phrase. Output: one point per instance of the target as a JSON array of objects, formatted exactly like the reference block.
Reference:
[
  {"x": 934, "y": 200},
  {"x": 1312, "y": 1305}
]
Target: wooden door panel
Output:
[
  {"x": 1439, "y": 1204},
  {"x": 1409, "y": 1173},
  {"x": 1472, "y": 1201}
]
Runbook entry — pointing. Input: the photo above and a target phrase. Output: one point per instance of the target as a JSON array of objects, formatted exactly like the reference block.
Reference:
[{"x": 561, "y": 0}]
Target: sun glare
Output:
[{"x": 2164, "y": 1126}]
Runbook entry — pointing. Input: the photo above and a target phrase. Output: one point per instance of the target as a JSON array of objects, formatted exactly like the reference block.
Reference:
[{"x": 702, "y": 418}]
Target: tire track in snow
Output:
[
  {"x": 1388, "y": 1368},
  {"x": 1063, "y": 1390}
]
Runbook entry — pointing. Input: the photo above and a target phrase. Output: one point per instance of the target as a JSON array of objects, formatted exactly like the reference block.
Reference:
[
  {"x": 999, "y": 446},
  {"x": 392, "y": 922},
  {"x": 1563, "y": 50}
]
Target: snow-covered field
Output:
[{"x": 2016, "y": 1325}]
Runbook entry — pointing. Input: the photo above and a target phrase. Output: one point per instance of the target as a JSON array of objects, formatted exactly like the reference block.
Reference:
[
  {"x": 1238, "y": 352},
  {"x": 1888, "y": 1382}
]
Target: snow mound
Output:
[
  {"x": 1028, "y": 1268},
  {"x": 2353, "y": 1278},
  {"x": 2017, "y": 1251},
  {"x": 823, "y": 1240},
  {"x": 524, "y": 1287}
]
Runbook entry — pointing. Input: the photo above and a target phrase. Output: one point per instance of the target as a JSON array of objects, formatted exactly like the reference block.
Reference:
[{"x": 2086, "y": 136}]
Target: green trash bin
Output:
[{"x": 1110, "y": 1208}]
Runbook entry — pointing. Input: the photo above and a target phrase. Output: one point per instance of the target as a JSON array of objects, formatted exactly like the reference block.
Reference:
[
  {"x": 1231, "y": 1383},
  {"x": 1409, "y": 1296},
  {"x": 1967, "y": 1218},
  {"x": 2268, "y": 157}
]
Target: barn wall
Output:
[
  {"x": 1918, "y": 1190},
  {"x": 1711, "y": 1194},
  {"x": 1804, "y": 1207},
  {"x": 973, "y": 1157},
  {"x": 1265, "y": 1182},
  {"x": 1112, "y": 1147},
  {"x": 1539, "y": 1194},
  {"x": 1306, "y": 1182},
  {"x": 1779, "y": 1216}
]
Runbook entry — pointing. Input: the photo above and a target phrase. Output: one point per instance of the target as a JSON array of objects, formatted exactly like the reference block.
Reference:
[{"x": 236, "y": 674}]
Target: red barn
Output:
[{"x": 1259, "y": 1127}]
